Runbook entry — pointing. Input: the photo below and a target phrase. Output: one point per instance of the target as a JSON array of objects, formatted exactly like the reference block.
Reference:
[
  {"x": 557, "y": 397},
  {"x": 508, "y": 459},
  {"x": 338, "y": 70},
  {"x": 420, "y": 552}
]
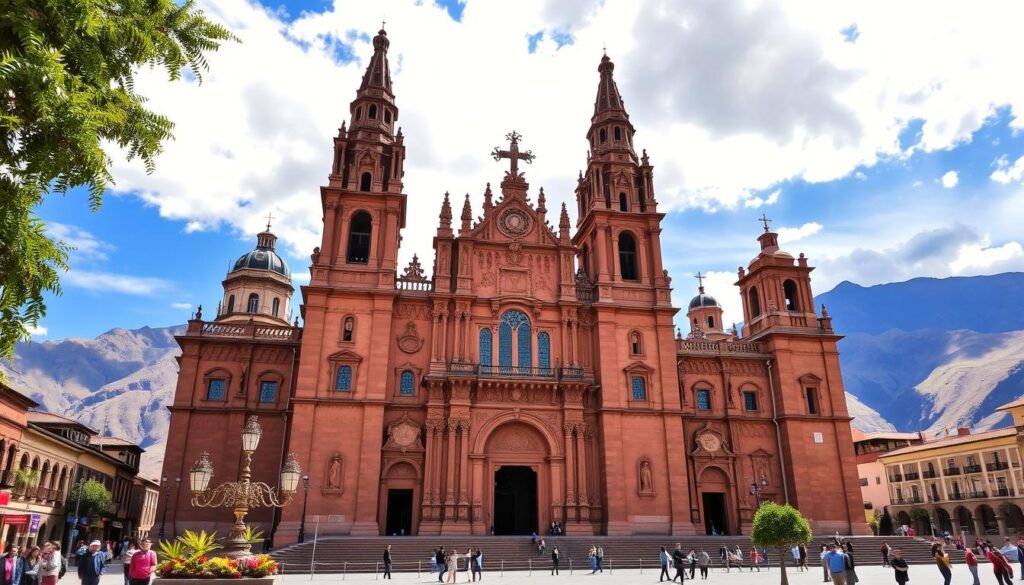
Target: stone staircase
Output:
[{"x": 514, "y": 553}]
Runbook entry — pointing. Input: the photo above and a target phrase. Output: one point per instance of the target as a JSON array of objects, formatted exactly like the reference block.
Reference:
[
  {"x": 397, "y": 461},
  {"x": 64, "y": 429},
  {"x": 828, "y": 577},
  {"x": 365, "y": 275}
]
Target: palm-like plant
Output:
[
  {"x": 170, "y": 550},
  {"x": 253, "y": 534},
  {"x": 199, "y": 543}
]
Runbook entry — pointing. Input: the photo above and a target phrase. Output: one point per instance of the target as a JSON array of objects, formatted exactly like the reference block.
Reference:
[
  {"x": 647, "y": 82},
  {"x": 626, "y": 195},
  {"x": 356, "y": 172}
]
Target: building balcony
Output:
[
  {"x": 1003, "y": 493},
  {"x": 929, "y": 474},
  {"x": 895, "y": 477},
  {"x": 933, "y": 498},
  {"x": 912, "y": 476},
  {"x": 997, "y": 466},
  {"x": 972, "y": 469},
  {"x": 952, "y": 471},
  {"x": 516, "y": 372}
]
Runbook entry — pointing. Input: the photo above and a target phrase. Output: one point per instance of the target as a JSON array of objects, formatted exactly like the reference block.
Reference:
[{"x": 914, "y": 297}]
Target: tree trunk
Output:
[{"x": 782, "y": 566}]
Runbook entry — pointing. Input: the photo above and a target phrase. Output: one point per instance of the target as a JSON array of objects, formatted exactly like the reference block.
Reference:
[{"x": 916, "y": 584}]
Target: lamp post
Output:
[
  {"x": 243, "y": 494},
  {"x": 167, "y": 498},
  {"x": 756, "y": 487},
  {"x": 305, "y": 498}
]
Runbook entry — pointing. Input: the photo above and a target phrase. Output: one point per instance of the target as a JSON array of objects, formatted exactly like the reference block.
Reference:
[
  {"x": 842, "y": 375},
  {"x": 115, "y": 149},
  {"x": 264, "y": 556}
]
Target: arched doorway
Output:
[
  {"x": 714, "y": 501},
  {"x": 964, "y": 519},
  {"x": 400, "y": 494},
  {"x": 943, "y": 521},
  {"x": 903, "y": 519},
  {"x": 517, "y": 478},
  {"x": 1014, "y": 518},
  {"x": 987, "y": 516}
]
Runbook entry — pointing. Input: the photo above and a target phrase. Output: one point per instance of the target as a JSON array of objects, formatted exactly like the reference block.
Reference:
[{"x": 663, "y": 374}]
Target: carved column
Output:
[
  {"x": 428, "y": 470},
  {"x": 330, "y": 215},
  {"x": 570, "y": 471},
  {"x": 435, "y": 336},
  {"x": 581, "y": 461},
  {"x": 450, "y": 494},
  {"x": 464, "y": 463},
  {"x": 444, "y": 337}
]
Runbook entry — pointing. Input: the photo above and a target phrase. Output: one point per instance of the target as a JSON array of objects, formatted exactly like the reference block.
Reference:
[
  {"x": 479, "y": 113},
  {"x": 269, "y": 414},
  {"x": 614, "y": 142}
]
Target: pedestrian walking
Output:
[
  {"x": 49, "y": 566},
  {"x": 678, "y": 561},
  {"x": 452, "y": 563},
  {"x": 554, "y": 560},
  {"x": 441, "y": 558},
  {"x": 885, "y": 554},
  {"x": 835, "y": 561},
  {"x": 387, "y": 562},
  {"x": 600, "y": 559},
  {"x": 592, "y": 555},
  {"x": 704, "y": 561},
  {"x": 851, "y": 572},
  {"x": 475, "y": 560},
  {"x": 92, "y": 564},
  {"x": 664, "y": 558},
  {"x": 1000, "y": 567},
  {"x": 824, "y": 565},
  {"x": 691, "y": 559},
  {"x": 30, "y": 576},
  {"x": 755, "y": 559},
  {"x": 942, "y": 562},
  {"x": 901, "y": 569},
  {"x": 469, "y": 561},
  {"x": 971, "y": 560},
  {"x": 126, "y": 559},
  {"x": 802, "y": 561},
  {"x": 143, "y": 564}
]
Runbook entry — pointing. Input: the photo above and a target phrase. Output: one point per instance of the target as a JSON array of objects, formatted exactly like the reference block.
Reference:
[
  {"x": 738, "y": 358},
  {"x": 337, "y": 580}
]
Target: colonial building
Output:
[
  {"x": 874, "y": 481},
  {"x": 534, "y": 376}
]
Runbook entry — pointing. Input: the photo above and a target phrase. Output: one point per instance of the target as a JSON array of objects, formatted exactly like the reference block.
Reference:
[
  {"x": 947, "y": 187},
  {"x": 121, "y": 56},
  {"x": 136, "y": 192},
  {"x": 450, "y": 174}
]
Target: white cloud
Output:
[
  {"x": 37, "y": 330},
  {"x": 756, "y": 202},
  {"x": 85, "y": 245},
  {"x": 181, "y": 306},
  {"x": 788, "y": 98},
  {"x": 116, "y": 283},
  {"x": 792, "y": 234},
  {"x": 982, "y": 258},
  {"x": 950, "y": 179},
  {"x": 1005, "y": 173}
]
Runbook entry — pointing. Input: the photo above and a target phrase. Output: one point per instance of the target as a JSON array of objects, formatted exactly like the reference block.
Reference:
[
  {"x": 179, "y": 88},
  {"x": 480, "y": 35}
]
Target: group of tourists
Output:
[
  {"x": 33, "y": 565},
  {"x": 837, "y": 562},
  {"x": 681, "y": 562},
  {"x": 447, "y": 562}
]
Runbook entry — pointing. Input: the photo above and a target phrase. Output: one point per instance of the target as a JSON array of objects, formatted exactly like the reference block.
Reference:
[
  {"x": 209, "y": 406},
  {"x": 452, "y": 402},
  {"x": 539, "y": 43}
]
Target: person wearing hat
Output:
[{"x": 92, "y": 564}]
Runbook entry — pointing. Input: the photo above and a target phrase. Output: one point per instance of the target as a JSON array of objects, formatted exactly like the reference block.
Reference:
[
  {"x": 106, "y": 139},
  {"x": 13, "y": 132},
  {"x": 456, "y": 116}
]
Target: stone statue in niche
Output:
[
  {"x": 646, "y": 477},
  {"x": 333, "y": 474}
]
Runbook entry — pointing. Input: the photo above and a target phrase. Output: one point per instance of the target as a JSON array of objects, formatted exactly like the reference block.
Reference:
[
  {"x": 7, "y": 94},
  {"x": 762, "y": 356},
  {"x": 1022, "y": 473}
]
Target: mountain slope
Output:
[{"x": 120, "y": 381}]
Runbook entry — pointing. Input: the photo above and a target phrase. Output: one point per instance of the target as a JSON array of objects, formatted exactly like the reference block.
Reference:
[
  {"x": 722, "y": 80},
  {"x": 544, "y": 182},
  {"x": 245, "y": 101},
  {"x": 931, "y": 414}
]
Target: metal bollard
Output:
[
  {"x": 570, "y": 566},
  {"x": 641, "y": 566},
  {"x": 344, "y": 570},
  {"x": 376, "y": 571},
  {"x": 419, "y": 567},
  {"x": 609, "y": 567},
  {"x": 531, "y": 566},
  {"x": 502, "y": 567}
]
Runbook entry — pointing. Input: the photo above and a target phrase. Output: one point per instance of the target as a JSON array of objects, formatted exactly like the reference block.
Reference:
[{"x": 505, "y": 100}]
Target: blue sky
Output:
[{"x": 924, "y": 185}]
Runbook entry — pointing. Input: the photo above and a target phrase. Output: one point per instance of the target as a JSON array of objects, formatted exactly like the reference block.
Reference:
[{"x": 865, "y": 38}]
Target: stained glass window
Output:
[
  {"x": 215, "y": 390},
  {"x": 704, "y": 399},
  {"x": 543, "y": 350},
  {"x": 515, "y": 321},
  {"x": 485, "y": 346},
  {"x": 525, "y": 345},
  {"x": 639, "y": 388},
  {"x": 343, "y": 381},
  {"x": 268, "y": 391},
  {"x": 407, "y": 387},
  {"x": 750, "y": 400},
  {"x": 505, "y": 344}
]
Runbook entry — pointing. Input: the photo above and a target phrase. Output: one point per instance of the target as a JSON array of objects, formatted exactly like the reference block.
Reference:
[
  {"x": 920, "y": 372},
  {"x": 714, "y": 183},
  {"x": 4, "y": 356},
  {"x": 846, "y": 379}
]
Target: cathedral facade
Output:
[{"x": 535, "y": 376}]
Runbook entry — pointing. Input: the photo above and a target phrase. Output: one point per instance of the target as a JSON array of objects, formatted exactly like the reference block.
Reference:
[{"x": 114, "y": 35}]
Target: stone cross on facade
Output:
[
  {"x": 513, "y": 153},
  {"x": 700, "y": 280},
  {"x": 764, "y": 219},
  {"x": 270, "y": 216}
]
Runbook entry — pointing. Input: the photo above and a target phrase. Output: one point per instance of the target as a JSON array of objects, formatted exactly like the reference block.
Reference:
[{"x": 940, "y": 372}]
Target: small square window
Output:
[
  {"x": 639, "y": 387},
  {"x": 750, "y": 401},
  {"x": 863, "y": 481},
  {"x": 704, "y": 399},
  {"x": 268, "y": 391},
  {"x": 215, "y": 389},
  {"x": 878, "y": 480}
]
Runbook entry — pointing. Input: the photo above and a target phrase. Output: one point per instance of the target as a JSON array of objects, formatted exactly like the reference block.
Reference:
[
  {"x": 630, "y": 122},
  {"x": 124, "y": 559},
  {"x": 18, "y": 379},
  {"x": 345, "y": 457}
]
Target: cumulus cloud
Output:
[
  {"x": 792, "y": 234},
  {"x": 84, "y": 245},
  {"x": 1005, "y": 173},
  {"x": 771, "y": 199},
  {"x": 181, "y": 306},
  {"x": 729, "y": 99},
  {"x": 950, "y": 179},
  {"x": 36, "y": 330},
  {"x": 955, "y": 251}
]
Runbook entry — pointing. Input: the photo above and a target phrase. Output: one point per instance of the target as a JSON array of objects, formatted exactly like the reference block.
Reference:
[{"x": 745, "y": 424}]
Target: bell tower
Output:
[{"x": 364, "y": 207}]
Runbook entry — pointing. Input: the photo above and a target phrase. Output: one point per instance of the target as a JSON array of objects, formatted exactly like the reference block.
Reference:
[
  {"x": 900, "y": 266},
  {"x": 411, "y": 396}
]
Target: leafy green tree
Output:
[
  {"x": 67, "y": 70},
  {"x": 780, "y": 527},
  {"x": 885, "y": 523},
  {"x": 90, "y": 497}
]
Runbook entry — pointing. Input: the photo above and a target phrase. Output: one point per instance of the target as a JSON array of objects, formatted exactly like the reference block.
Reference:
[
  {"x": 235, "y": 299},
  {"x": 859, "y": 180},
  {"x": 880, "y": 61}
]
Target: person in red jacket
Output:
[
  {"x": 1000, "y": 566},
  {"x": 972, "y": 564}
]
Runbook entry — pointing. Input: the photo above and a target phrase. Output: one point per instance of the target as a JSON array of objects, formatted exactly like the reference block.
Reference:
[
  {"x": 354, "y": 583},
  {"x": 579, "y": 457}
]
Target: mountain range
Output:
[{"x": 926, "y": 354}]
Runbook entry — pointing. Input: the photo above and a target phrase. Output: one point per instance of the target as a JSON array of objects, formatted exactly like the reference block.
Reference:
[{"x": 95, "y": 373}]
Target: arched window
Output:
[
  {"x": 231, "y": 304},
  {"x": 275, "y": 307},
  {"x": 387, "y": 116},
  {"x": 711, "y": 322},
  {"x": 254, "y": 303},
  {"x": 618, "y": 133},
  {"x": 627, "y": 257},
  {"x": 543, "y": 351},
  {"x": 515, "y": 323},
  {"x": 348, "y": 329},
  {"x": 407, "y": 386},
  {"x": 359, "y": 113},
  {"x": 359, "y": 238},
  {"x": 485, "y": 346},
  {"x": 343, "y": 379},
  {"x": 789, "y": 293},
  {"x": 635, "y": 343},
  {"x": 639, "y": 388},
  {"x": 604, "y": 135},
  {"x": 623, "y": 204},
  {"x": 704, "y": 399},
  {"x": 364, "y": 182},
  {"x": 755, "y": 303},
  {"x": 373, "y": 111}
]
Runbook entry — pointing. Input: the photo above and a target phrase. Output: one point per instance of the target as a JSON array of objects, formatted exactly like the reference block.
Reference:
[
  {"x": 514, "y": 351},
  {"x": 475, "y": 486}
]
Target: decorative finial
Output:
[
  {"x": 513, "y": 153},
  {"x": 824, "y": 311},
  {"x": 764, "y": 219},
  {"x": 700, "y": 281},
  {"x": 199, "y": 313},
  {"x": 604, "y": 48},
  {"x": 541, "y": 201},
  {"x": 270, "y": 216},
  {"x": 446, "y": 212}
]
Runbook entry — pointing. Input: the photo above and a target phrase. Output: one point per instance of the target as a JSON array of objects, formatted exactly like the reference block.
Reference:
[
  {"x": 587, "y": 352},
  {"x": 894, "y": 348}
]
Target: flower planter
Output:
[{"x": 214, "y": 581}]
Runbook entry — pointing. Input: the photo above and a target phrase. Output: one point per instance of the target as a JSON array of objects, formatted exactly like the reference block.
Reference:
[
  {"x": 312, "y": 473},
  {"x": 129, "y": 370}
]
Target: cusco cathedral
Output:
[{"x": 534, "y": 376}]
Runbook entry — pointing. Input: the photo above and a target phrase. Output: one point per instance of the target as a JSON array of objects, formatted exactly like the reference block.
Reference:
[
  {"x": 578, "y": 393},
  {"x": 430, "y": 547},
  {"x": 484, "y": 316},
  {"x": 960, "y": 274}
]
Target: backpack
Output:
[{"x": 63, "y": 568}]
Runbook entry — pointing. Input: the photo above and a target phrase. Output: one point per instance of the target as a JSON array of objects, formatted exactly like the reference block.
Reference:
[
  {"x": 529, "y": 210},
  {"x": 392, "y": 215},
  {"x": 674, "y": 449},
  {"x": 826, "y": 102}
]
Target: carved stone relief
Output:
[
  {"x": 333, "y": 474},
  {"x": 410, "y": 341},
  {"x": 645, "y": 477}
]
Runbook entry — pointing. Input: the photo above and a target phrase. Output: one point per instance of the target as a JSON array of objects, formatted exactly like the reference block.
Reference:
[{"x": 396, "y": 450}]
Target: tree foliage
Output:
[
  {"x": 67, "y": 81},
  {"x": 782, "y": 527},
  {"x": 94, "y": 497}
]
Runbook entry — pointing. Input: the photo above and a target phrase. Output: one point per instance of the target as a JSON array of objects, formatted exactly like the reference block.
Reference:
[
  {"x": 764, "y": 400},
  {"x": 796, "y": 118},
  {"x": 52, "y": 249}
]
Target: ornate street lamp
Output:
[
  {"x": 756, "y": 487},
  {"x": 305, "y": 498},
  {"x": 243, "y": 494},
  {"x": 166, "y": 486}
]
